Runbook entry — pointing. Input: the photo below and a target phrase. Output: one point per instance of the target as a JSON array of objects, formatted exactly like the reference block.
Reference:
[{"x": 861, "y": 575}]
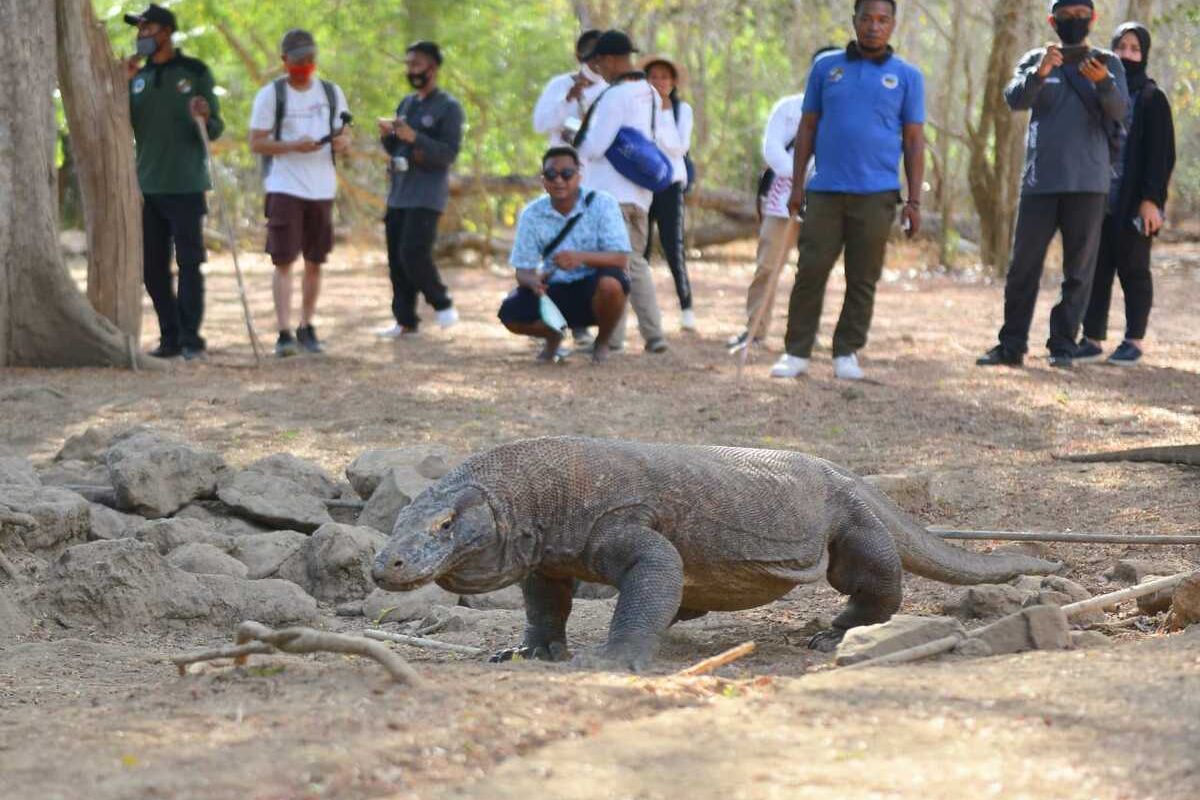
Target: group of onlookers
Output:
[{"x": 1100, "y": 152}]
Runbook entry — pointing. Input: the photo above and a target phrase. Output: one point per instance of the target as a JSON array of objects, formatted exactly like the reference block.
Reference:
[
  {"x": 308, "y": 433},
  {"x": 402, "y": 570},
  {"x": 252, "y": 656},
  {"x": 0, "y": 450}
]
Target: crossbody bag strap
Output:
[{"x": 569, "y": 226}]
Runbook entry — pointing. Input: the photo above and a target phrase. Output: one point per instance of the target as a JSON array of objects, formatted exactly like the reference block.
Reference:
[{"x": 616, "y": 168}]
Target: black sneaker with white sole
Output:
[
  {"x": 286, "y": 345},
  {"x": 166, "y": 351},
  {"x": 1062, "y": 361},
  {"x": 1127, "y": 354},
  {"x": 306, "y": 335},
  {"x": 1088, "y": 352}
]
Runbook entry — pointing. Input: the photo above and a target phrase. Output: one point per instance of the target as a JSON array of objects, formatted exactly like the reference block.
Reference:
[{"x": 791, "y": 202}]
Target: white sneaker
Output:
[
  {"x": 394, "y": 332},
  {"x": 687, "y": 320},
  {"x": 789, "y": 367},
  {"x": 847, "y": 368},
  {"x": 447, "y": 318}
]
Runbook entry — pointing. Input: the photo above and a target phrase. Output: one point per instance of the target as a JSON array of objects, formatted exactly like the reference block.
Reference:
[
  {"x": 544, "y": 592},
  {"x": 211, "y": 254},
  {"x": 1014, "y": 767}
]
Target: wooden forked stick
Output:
[
  {"x": 709, "y": 664},
  {"x": 427, "y": 644}
]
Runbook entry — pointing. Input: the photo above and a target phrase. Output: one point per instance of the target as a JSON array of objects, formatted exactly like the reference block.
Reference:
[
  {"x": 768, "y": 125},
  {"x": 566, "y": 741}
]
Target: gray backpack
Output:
[{"x": 281, "y": 110}]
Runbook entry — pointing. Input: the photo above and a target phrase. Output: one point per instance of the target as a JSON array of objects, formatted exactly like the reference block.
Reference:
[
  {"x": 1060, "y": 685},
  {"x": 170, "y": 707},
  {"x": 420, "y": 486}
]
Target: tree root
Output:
[{"x": 256, "y": 638}]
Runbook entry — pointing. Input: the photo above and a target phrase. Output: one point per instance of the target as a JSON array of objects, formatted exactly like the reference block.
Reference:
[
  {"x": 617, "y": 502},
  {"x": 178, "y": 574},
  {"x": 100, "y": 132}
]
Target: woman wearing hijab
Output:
[
  {"x": 1135, "y": 213},
  {"x": 667, "y": 210}
]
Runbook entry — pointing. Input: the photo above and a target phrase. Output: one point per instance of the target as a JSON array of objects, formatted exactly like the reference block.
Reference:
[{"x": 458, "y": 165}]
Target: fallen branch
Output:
[
  {"x": 1132, "y": 593},
  {"x": 934, "y": 648},
  {"x": 255, "y": 638},
  {"x": 426, "y": 644},
  {"x": 709, "y": 664},
  {"x": 1089, "y": 538}
]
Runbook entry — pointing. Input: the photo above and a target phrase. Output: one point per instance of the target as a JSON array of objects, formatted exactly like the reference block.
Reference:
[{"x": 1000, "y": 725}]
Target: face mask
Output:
[
  {"x": 1133, "y": 69},
  {"x": 418, "y": 80},
  {"x": 590, "y": 74},
  {"x": 146, "y": 46},
  {"x": 302, "y": 72},
  {"x": 1073, "y": 30}
]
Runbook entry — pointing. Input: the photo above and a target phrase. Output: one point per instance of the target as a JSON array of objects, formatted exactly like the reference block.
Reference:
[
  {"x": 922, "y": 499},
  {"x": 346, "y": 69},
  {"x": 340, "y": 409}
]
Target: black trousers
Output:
[
  {"x": 1079, "y": 217},
  {"x": 667, "y": 210},
  {"x": 175, "y": 222},
  {"x": 1124, "y": 253},
  {"x": 410, "y": 236}
]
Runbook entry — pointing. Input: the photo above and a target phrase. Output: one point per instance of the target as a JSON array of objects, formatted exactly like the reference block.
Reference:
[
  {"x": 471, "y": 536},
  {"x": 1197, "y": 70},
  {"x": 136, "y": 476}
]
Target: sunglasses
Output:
[{"x": 551, "y": 175}]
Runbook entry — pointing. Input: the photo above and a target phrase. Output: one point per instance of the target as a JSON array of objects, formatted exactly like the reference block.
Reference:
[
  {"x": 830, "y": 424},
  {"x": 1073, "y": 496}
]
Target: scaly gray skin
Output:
[
  {"x": 1188, "y": 455},
  {"x": 679, "y": 530}
]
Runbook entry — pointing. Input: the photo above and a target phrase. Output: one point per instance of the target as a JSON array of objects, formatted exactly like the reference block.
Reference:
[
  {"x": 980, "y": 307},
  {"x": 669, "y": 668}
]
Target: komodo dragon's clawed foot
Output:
[
  {"x": 625, "y": 656},
  {"x": 826, "y": 641},
  {"x": 555, "y": 651}
]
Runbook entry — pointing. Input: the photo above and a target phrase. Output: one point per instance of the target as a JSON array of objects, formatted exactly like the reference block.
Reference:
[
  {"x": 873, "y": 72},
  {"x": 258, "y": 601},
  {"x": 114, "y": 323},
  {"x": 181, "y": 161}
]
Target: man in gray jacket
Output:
[{"x": 1078, "y": 98}]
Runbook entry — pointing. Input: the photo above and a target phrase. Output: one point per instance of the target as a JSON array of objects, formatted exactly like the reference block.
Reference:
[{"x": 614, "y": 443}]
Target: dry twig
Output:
[
  {"x": 1132, "y": 593},
  {"x": 427, "y": 644},
  {"x": 717, "y": 661}
]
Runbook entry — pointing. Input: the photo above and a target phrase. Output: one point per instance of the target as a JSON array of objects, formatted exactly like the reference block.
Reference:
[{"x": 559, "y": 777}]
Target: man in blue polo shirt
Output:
[
  {"x": 863, "y": 108},
  {"x": 571, "y": 246}
]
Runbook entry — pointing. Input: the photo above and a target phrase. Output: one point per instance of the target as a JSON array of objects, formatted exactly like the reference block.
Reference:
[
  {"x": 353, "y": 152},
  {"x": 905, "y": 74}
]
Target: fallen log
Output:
[
  {"x": 1086, "y": 538},
  {"x": 426, "y": 644},
  {"x": 1132, "y": 593},
  {"x": 1187, "y": 455}
]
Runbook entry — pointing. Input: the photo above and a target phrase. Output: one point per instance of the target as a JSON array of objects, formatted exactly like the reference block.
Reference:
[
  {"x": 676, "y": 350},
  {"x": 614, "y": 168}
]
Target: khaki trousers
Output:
[
  {"x": 641, "y": 293},
  {"x": 761, "y": 294}
]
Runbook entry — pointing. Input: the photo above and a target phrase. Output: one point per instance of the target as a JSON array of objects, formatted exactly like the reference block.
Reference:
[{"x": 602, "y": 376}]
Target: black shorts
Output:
[
  {"x": 296, "y": 227},
  {"x": 574, "y": 300}
]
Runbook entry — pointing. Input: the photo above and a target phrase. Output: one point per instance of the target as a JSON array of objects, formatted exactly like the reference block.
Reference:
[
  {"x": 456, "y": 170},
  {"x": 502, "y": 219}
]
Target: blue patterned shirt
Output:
[{"x": 601, "y": 230}]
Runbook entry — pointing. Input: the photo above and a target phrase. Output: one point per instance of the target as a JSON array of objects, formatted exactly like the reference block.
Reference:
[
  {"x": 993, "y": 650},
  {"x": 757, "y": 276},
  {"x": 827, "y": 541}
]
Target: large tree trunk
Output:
[
  {"x": 95, "y": 94},
  {"x": 44, "y": 320}
]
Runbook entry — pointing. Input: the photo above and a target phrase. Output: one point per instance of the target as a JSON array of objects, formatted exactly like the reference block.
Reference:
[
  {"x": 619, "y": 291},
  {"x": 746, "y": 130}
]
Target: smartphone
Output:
[{"x": 1075, "y": 53}]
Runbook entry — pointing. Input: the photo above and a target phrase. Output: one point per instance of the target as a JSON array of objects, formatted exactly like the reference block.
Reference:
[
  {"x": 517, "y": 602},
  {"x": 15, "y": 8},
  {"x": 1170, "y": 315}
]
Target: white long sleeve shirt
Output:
[
  {"x": 552, "y": 111},
  {"x": 782, "y": 127},
  {"x": 632, "y": 104},
  {"x": 677, "y": 146}
]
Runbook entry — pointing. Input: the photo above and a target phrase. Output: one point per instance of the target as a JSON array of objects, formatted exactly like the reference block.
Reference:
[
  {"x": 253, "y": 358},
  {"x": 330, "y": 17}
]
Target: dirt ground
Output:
[{"x": 87, "y": 714}]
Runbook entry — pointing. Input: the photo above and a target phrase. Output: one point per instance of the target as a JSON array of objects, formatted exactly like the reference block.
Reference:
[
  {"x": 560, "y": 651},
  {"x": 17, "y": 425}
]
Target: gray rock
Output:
[
  {"x": 75, "y": 473},
  {"x": 14, "y": 620},
  {"x": 204, "y": 559},
  {"x": 266, "y": 555},
  {"x": 386, "y": 501},
  {"x": 973, "y": 648},
  {"x": 1088, "y": 640},
  {"x": 1076, "y": 592},
  {"x": 899, "y": 633},
  {"x": 63, "y": 518},
  {"x": 416, "y": 467},
  {"x": 155, "y": 476},
  {"x": 17, "y": 471},
  {"x": 352, "y": 609},
  {"x": 272, "y": 501},
  {"x": 1035, "y": 628},
  {"x": 1027, "y": 583},
  {"x": 167, "y": 534},
  {"x": 987, "y": 601},
  {"x": 110, "y": 524},
  {"x": 1185, "y": 604},
  {"x": 306, "y": 474},
  {"x": 119, "y": 585},
  {"x": 381, "y": 606},
  {"x": 910, "y": 491},
  {"x": 87, "y": 446},
  {"x": 510, "y": 597},
  {"x": 271, "y": 602},
  {"x": 1135, "y": 570},
  {"x": 221, "y": 518},
  {"x": 338, "y": 562}
]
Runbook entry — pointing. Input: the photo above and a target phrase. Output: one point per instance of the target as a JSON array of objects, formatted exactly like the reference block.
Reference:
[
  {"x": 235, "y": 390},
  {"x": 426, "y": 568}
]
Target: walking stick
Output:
[
  {"x": 778, "y": 258},
  {"x": 227, "y": 224}
]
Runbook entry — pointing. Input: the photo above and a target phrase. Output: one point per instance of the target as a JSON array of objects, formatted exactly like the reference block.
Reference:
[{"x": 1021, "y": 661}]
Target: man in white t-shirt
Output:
[
  {"x": 566, "y": 99},
  {"x": 298, "y": 135},
  {"x": 629, "y": 102}
]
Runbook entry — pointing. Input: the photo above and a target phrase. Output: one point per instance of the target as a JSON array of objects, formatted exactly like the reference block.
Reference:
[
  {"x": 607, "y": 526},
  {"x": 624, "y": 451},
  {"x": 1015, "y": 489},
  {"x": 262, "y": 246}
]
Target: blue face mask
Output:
[{"x": 146, "y": 46}]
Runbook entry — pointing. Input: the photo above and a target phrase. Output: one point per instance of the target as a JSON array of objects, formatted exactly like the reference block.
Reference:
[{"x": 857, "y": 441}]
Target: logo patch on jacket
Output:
[
  {"x": 891, "y": 81},
  {"x": 139, "y": 85},
  {"x": 836, "y": 74},
  {"x": 184, "y": 86},
  {"x": 427, "y": 121}
]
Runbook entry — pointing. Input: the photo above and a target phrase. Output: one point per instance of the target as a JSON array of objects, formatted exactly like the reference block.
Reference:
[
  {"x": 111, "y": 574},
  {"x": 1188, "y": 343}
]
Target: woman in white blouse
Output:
[{"x": 667, "y": 210}]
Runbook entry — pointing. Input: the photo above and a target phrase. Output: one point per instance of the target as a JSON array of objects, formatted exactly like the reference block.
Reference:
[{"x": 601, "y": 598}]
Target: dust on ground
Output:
[{"x": 87, "y": 714}]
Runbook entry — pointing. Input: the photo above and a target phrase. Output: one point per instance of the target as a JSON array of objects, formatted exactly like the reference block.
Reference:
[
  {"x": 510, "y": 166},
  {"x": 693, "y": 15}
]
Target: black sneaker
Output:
[
  {"x": 286, "y": 345},
  {"x": 1000, "y": 356},
  {"x": 166, "y": 351},
  {"x": 192, "y": 353},
  {"x": 307, "y": 336},
  {"x": 1062, "y": 361},
  {"x": 1127, "y": 354},
  {"x": 1088, "y": 352}
]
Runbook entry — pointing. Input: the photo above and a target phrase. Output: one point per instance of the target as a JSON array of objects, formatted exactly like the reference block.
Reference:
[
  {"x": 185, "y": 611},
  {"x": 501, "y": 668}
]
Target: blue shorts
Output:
[{"x": 574, "y": 300}]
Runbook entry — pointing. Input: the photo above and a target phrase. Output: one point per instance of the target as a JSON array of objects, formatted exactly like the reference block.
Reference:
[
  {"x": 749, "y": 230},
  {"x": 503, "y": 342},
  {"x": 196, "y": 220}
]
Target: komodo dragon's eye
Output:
[{"x": 444, "y": 524}]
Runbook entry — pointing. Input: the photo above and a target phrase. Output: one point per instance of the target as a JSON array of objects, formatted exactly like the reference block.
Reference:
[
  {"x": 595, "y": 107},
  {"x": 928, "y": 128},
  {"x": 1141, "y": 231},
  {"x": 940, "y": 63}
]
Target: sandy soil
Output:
[{"x": 85, "y": 714}]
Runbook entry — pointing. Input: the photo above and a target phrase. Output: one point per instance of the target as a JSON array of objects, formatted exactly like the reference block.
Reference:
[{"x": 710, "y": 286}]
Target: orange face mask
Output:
[{"x": 302, "y": 72}]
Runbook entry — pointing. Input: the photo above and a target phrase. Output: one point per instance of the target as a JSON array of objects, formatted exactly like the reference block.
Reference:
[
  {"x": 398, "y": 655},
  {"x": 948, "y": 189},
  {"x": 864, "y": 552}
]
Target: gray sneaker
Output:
[{"x": 306, "y": 335}]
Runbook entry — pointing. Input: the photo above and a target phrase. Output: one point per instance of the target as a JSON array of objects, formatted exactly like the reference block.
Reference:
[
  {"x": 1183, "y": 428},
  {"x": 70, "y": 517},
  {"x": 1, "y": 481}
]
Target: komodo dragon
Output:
[{"x": 679, "y": 530}]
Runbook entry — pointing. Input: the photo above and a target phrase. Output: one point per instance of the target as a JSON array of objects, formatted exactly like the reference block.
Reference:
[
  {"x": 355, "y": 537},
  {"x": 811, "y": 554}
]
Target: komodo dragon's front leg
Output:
[{"x": 547, "y": 606}]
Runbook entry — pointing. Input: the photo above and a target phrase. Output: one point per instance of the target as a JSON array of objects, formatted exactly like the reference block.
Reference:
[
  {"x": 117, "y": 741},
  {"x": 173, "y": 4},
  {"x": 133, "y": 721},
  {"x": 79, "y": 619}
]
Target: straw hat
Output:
[{"x": 667, "y": 61}]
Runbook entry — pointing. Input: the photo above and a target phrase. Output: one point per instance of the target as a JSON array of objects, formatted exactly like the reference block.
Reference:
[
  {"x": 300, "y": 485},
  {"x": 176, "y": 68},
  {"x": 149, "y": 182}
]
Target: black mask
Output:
[
  {"x": 1133, "y": 69},
  {"x": 418, "y": 80},
  {"x": 1072, "y": 30}
]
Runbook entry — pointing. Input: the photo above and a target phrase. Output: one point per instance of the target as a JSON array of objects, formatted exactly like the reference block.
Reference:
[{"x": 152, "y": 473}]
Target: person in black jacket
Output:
[{"x": 1136, "y": 204}]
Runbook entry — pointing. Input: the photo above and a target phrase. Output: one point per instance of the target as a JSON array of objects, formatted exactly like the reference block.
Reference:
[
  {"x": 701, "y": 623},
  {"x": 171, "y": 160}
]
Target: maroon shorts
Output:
[{"x": 296, "y": 226}]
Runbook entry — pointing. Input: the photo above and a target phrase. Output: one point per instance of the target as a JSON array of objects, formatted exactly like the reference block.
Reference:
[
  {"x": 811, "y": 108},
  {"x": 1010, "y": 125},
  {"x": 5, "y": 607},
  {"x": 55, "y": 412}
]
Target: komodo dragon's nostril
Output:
[{"x": 398, "y": 564}]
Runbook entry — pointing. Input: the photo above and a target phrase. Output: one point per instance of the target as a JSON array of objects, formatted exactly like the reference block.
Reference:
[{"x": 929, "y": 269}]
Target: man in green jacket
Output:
[{"x": 166, "y": 95}]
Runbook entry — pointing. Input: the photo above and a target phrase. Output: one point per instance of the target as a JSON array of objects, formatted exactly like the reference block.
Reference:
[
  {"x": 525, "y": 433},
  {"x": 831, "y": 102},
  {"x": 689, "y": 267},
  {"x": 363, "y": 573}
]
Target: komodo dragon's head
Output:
[{"x": 449, "y": 535}]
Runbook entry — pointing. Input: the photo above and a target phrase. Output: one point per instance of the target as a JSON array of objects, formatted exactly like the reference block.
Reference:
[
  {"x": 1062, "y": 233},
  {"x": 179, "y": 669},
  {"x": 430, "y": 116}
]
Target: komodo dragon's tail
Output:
[
  {"x": 929, "y": 556},
  {"x": 1187, "y": 455}
]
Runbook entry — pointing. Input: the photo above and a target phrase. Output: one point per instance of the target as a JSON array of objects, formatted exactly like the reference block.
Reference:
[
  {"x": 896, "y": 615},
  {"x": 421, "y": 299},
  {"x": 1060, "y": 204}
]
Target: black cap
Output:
[
  {"x": 297, "y": 44},
  {"x": 613, "y": 43},
  {"x": 155, "y": 13},
  {"x": 427, "y": 48}
]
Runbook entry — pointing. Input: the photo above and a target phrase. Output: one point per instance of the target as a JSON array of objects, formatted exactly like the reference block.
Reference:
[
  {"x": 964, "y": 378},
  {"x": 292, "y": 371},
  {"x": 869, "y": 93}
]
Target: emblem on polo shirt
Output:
[
  {"x": 184, "y": 86},
  {"x": 891, "y": 81},
  {"x": 139, "y": 85},
  {"x": 836, "y": 74},
  {"x": 427, "y": 121}
]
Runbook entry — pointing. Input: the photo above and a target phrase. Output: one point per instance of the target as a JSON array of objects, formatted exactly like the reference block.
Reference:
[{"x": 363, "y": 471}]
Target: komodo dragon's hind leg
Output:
[
  {"x": 547, "y": 606},
  {"x": 864, "y": 564}
]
